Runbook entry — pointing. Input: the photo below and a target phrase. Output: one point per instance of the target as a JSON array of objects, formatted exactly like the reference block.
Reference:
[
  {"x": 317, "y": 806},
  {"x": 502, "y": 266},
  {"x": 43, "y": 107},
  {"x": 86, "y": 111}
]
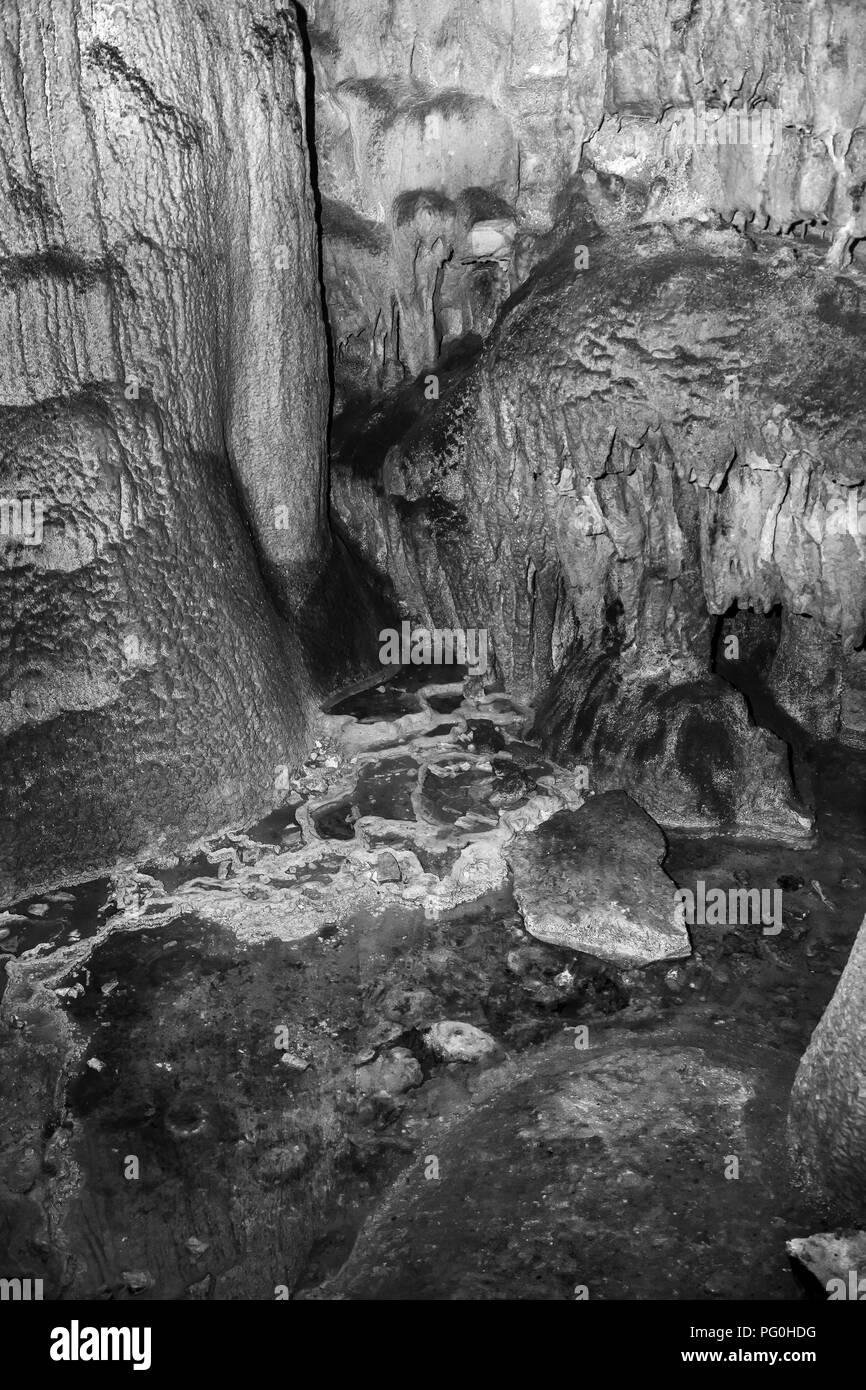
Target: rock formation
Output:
[
  {"x": 163, "y": 396},
  {"x": 827, "y": 1121},
  {"x": 542, "y": 320},
  {"x": 447, "y": 132}
]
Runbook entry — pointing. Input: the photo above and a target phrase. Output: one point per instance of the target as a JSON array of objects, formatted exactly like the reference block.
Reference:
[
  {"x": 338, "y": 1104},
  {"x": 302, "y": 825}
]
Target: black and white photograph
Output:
[{"x": 433, "y": 626}]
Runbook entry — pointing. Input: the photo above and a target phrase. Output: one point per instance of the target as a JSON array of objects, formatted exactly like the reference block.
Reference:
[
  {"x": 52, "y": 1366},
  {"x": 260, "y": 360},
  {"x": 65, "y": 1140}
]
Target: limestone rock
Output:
[
  {"x": 588, "y": 481},
  {"x": 835, "y": 1259},
  {"x": 827, "y": 1116},
  {"x": 688, "y": 753},
  {"x": 163, "y": 399},
  {"x": 394, "y": 1072},
  {"x": 590, "y": 880},
  {"x": 461, "y": 1042},
  {"x": 449, "y": 134}
]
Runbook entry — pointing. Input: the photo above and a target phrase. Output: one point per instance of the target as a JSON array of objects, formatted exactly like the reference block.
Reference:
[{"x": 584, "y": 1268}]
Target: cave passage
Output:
[{"x": 434, "y": 729}]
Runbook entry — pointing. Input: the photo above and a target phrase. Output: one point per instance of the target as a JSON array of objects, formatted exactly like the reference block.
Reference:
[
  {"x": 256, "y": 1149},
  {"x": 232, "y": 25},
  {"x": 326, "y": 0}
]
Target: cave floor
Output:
[{"x": 219, "y": 1080}]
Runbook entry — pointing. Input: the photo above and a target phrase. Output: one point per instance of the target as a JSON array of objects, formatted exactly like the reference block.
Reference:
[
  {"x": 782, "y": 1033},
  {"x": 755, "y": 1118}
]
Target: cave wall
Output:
[
  {"x": 163, "y": 397},
  {"x": 447, "y": 133},
  {"x": 672, "y": 428}
]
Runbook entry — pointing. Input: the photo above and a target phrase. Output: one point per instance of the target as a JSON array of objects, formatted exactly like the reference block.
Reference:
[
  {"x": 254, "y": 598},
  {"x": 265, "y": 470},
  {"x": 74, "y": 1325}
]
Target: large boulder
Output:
[
  {"x": 590, "y": 880},
  {"x": 687, "y": 751}
]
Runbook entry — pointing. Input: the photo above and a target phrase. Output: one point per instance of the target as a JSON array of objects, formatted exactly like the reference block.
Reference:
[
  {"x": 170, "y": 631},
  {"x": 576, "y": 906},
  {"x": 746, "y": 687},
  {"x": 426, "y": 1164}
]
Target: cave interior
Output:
[{"x": 433, "y": 557}]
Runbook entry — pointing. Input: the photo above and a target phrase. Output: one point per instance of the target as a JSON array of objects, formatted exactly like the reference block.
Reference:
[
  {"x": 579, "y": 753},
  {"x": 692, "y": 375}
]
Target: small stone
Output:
[
  {"x": 415, "y": 892},
  {"x": 386, "y": 869},
  {"x": 37, "y": 909},
  {"x": 196, "y": 1247},
  {"x": 294, "y": 1062},
  {"x": 460, "y": 1042},
  {"x": 821, "y": 894},
  {"x": 393, "y": 1073},
  {"x": 95, "y": 1064},
  {"x": 201, "y": 1289},
  {"x": 137, "y": 1280}
]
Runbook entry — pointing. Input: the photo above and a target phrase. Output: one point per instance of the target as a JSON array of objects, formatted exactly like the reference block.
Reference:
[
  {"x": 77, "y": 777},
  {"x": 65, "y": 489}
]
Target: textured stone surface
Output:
[
  {"x": 447, "y": 133},
  {"x": 827, "y": 1120},
  {"x": 163, "y": 393},
  {"x": 831, "y": 1257},
  {"x": 586, "y": 1149},
  {"x": 242, "y": 1023},
  {"x": 460, "y": 1042},
  {"x": 590, "y": 880},
  {"x": 819, "y": 681},
  {"x": 642, "y": 445},
  {"x": 688, "y": 753}
]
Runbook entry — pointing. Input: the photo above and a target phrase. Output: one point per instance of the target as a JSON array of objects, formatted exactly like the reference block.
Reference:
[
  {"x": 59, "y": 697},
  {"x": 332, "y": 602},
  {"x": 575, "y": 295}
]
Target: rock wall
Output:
[
  {"x": 827, "y": 1116},
  {"x": 647, "y": 440},
  {"x": 446, "y": 134},
  {"x": 163, "y": 399}
]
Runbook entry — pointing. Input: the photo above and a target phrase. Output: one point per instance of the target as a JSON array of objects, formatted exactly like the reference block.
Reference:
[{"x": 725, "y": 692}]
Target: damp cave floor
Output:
[{"x": 553, "y": 1170}]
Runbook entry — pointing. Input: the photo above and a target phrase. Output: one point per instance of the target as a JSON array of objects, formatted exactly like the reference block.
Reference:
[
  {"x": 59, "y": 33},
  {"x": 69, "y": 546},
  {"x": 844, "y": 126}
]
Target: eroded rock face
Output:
[
  {"x": 645, "y": 443},
  {"x": 688, "y": 753},
  {"x": 163, "y": 402},
  {"x": 827, "y": 1119},
  {"x": 448, "y": 132},
  {"x": 590, "y": 880}
]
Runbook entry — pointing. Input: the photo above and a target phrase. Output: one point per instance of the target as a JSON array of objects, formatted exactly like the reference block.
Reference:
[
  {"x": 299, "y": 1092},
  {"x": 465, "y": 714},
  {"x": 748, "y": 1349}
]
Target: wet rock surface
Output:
[
  {"x": 590, "y": 880},
  {"x": 225, "y": 1085},
  {"x": 690, "y": 753},
  {"x": 543, "y": 1189}
]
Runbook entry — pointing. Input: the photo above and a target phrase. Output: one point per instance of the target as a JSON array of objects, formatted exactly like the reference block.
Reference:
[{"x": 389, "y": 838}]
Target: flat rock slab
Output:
[{"x": 591, "y": 880}]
